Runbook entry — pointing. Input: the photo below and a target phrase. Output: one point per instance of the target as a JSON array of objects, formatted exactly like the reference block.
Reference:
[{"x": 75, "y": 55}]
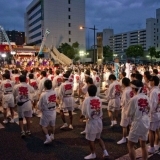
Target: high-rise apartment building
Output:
[
  {"x": 61, "y": 17},
  {"x": 148, "y": 37},
  {"x": 158, "y": 29}
]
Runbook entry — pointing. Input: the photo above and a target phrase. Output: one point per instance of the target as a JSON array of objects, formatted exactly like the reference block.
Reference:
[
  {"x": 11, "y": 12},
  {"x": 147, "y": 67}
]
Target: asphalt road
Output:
[{"x": 68, "y": 144}]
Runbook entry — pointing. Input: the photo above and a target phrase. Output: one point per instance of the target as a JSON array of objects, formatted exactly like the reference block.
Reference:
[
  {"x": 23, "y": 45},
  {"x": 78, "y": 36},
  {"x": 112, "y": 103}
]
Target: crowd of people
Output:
[{"x": 133, "y": 90}]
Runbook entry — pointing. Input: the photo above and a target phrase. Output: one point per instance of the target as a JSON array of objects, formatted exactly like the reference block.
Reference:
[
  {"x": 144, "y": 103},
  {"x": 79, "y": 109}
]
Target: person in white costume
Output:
[
  {"x": 66, "y": 100},
  {"x": 15, "y": 76},
  {"x": 126, "y": 96},
  {"x": 113, "y": 98},
  {"x": 22, "y": 93},
  {"x": 138, "y": 111},
  {"x": 154, "y": 96},
  {"x": 96, "y": 80},
  {"x": 128, "y": 68},
  {"x": 57, "y": 81},
  {"x": 89, "y": 81},
  {"x": 34, "y": 96},
  {"x": 76, "y": 81},
  {"x": 7, "y": 97},
  {"x": 47, "y": 105},
  {"x": 50, "y": 76},
  {"x": 92, "y": 110},
  {"x": 41, "y": 82}
]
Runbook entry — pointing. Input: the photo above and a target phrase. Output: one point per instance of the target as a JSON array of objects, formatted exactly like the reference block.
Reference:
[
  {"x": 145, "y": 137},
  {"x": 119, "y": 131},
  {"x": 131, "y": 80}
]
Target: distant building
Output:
[
  {"x": 158, "y": 29},
  {"x": 150, "y": 36},
  {"x": 16, "y": 36},
  {"x": 62, "y": 18}
]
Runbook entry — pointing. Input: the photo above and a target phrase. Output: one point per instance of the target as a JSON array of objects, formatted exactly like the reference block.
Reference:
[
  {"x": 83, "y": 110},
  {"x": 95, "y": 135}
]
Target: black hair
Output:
[
  {"x": 148, "y": 76},
  {"x": 22, "y": 78},
  {"x": 43, "y": 73},
  {"x": 139, "y": 77},
  {"x": 57, "y": 72},
  {"x": 16, "y": 71},
  {"x": 68, "y": 72},
  {"x": 112, "y": 77},
  {"x": 155, "y": 71},
  {"x": 32, "y": 71},
  {"x": 126, "y": 81},
  {"x": 48, "y": 84},
  {"x": 7, "y": 71},
  {"x": 133, "y": 75},
  {"x": 87, "y": 72},
  {"x": 138, "y": 84},
  {"x": 31, "y": 76},
  {"x": 24, "y": 72},
  {"x": 50, "y": 72},
  {"x": 146, "y": 73},
  {"x": 89, "y": 80},
  {"x": 155, "y": 79},
  {"x": 92, "y": 90},
  {"x": 13, "y": 71},
  {"x": 123, "y": 74},
  {"x": 66, "y": 75}
]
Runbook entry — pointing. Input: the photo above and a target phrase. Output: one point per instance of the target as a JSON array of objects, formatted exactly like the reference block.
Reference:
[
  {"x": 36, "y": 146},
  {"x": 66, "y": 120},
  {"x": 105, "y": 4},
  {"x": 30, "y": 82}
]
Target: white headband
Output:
[{"x": 139, "y": 88}]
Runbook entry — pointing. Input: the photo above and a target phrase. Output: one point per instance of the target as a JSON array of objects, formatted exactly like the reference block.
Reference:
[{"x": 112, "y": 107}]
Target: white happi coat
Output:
[
  {"x": 56, "y": 83},
  {"x": 7, "y": 90},
  {"x": 41, "y": 84},
  {"x": 15, "y": 78},
  {"x": 7, "y": 86},
  {"x": 65, "y": 95},
  {"x": 22, "y": 92},
  {"x": 97, "y": 81},
  {"x": 51, "y": 77},
  {"x": 154, "y": 97},
  {"x": 82, "y": 77},
  {"x": 138, "y": 110},
  {"x": 126, "y": 96},
  {"x": 34, "y": 84},
  {"x": 71, "y": 78},
  {"x": 47, "y": 104},
  {"x": 127, "y": 70},
  {"x": 92, "y": 110},
  {"x": 113, "y": 94},
  {"x": 76, "y": 81}
]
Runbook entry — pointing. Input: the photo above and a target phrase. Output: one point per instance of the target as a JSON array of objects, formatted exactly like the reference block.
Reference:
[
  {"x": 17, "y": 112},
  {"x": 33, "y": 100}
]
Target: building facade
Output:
[
  {"x": 14, "y": 36},
  {"x": 148, "y": 37},
  {"x": 62, "y": 18},
  {"x": 158, "y": 29},
  {"x": 17, "y": 37}
]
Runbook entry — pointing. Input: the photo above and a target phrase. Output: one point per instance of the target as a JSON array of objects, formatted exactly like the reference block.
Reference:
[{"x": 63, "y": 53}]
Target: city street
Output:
[{"x": 68, "y": 144}]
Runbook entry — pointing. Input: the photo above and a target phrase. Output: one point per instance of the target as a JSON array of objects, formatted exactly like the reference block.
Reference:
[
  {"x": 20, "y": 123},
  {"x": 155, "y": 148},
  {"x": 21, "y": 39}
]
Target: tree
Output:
[
  {"x": 134, "y": 51},
  {"x": 69, "y": 50},
  {"x": 152, "y": 52},
  {"x": 107, "y": 52},
  {"x": 157, "y": 54}
]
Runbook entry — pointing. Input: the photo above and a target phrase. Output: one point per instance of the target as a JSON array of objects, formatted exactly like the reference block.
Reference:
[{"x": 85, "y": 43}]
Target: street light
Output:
[
  {"x": 13, "y": 52},
  {"x": 94, "y": 29},
  {"x": 3, "y": 55}
]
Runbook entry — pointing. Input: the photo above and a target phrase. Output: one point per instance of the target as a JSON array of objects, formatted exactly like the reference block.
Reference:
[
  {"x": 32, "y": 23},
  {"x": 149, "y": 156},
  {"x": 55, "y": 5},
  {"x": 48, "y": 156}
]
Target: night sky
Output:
[{"x": 121, "y": 15}]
